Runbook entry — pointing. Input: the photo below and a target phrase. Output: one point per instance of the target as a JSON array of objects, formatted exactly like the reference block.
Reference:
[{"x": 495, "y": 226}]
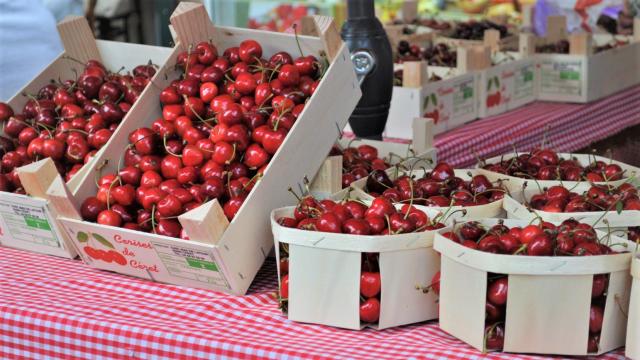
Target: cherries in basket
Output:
[
  {"x": 598, "y": 198},
  {"x": 438, "y": 187},
  {"x": 67, "y": 120},
  {"x": 546, "y": 164},
  {"x": 221, "y": 123},
  {"x": 356, "y": 218},
  {"x": 571, "y": 238},
  {"x": 358, "y": 162}
]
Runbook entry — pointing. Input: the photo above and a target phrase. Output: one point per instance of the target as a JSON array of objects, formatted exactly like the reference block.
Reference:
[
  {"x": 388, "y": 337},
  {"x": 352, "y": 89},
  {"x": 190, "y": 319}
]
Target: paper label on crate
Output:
[
  {"x": 561, "y": 77},
  {"x": 26, "y": 220},
  {"x": 463, "y": 97},
  {"x": 523, "y": 82},
  {"x": 190, "y": 263}
]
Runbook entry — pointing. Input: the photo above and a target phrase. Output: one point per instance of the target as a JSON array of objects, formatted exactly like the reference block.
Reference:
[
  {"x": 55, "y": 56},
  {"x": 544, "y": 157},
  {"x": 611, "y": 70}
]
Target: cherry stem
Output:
[{"x": 295, "y": 33}]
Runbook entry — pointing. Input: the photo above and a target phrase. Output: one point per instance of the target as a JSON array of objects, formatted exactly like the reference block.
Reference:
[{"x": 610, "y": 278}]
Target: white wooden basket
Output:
[
  {"x": 28, "y": 222},
  {"x": 491, "y": 210},
  {"x": 516, "y": 184},
  {"x": 221, "y": 256},
  {"x": 548, "y": 302},
  {"x": 328, "y": 180},
  {"x": 614, "y": 220},
  {"x": 582, "y": 76},
  {"x": 633, "y": 327},
  {"x": 324, "y": 275}
]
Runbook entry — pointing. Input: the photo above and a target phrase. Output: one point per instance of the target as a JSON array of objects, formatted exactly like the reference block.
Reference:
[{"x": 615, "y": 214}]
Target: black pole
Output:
[{"x": 363, "y": 31}]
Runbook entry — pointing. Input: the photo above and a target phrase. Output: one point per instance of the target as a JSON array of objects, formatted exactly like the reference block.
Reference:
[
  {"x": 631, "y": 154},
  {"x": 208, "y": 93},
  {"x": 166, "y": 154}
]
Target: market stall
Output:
[{"x": 418, "y": 185}]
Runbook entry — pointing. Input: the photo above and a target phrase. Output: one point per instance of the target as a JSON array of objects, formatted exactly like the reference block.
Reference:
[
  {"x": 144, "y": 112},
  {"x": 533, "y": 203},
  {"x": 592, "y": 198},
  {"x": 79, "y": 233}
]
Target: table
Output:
[
  {"x": 56, "y": 308},
  {"x": 568, "y": 127}
]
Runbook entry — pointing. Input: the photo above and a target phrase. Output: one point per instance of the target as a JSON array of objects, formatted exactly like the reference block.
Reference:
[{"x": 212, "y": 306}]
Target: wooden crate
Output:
[
  {"x": 516, "y": 184},
  {"x": 548, "y": 298},
  {"x": 582, "y": 76},
  {"x": 449, "y": 102},
  {"x": 491, "y": 38},
  {"x": 510, "y": 83},
  {"x": 221, "y": 256},
  {"x": 421, "y": 37},
  {"x": 28, "y": 222},
  {"x": 328, "y": 180},
  {"x": 633, "y": 326},
  {"x": 325, "y": 268}
]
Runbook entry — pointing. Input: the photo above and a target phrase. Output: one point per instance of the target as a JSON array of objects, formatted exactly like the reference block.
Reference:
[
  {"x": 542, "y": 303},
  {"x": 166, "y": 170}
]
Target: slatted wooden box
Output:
[
  {"x": 221, "y": 256},
  {"x": 28, "y": 222}
]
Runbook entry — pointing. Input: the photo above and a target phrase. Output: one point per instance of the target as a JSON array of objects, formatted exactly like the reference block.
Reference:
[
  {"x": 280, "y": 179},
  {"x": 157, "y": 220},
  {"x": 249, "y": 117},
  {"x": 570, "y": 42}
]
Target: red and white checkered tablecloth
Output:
[
  {"x": 569, "y": 127},
  {"x": 52, "y": 308}
]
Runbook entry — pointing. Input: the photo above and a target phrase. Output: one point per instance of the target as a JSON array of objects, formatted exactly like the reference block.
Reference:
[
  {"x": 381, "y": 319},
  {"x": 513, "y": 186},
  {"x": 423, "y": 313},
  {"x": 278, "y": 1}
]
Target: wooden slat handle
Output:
[
  {"x": 308, "y": 26},
  {"x": 206, "y": 223},
  {"x": 556, "y": 28},
  {"x": 580, "y": 44},
  {"x": 473, "y": 58},
  {"x": 77, "y": 39},
  {"x": 62, "y": 202},
  {"x": 636, "y": 29},
  {"x": 409, "y": 10},
  {"x": 422, "y": 135},
  {"x": 192, "y": 25},
  {"x": 329, "y": 177},
  {"x": 527, "y": 44},
  {"x": 328, "y": 31},
  {"x": 414, "y": 74},
  {"x": 492, "y": 39},
  {"x": 38, "y": 176}
]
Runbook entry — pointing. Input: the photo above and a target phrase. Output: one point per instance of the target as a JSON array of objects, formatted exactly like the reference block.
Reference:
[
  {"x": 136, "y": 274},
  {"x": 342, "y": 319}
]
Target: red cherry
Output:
[
  {"x": 596, "y": 317},
  {"x": 529, "y": 232},
  {"x": 168, "y": 227},
  {"x": 289, "y": 75},
  {"x": 370, "y": 284},
  {"x": 91, "y": 207},
  {"x": 249, "y": 51},
  {"x": 494, "y": 336},
  {"x": 170, "y": 206},
  {"x": 232, "y": 206},
  {"x": 497, "y": 291},
  {"x": 370, "y": 310},
  {"x": 109, "y": 217},
  {"x": 255, "y": 156},
  {"x": 329, "y": 222},
  {"x": 284, "y": 287},
  {"x": 206, "y": 52},
  {"x": 356, "y": 227}
]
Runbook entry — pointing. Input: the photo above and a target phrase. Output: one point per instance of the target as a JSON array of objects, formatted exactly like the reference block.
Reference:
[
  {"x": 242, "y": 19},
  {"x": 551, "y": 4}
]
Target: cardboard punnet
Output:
[
  {"x": 28, "y": 222},
  {"x": 516, "y": 184},
  {"x": 633, "y": 326},
  {"x": 460, "y": 213},
  {"x": 324, "y": 275},
  {"x": 584, "y": 76},
  {"x": 548, "y": 302},
  {"x": 221, "y": 256},
  {"x": 328, "y": 180}
]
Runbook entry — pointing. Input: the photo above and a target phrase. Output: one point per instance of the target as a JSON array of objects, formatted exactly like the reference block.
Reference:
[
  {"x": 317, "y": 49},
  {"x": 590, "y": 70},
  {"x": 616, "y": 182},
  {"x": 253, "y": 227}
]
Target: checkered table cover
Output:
[
  {"x": 569, "y": 127},
  {"x": 53, "y": 308}
]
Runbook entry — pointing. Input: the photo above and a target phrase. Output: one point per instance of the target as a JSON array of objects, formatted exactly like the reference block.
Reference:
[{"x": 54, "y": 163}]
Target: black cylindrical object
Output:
[{"x": 363, "y": 31}]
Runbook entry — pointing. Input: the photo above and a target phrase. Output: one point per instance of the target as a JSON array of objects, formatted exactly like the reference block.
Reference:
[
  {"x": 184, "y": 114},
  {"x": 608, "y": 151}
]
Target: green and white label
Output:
[
  {"x": 26, "y": 220},
  {"x": 561, "y": 77},
  {"x": 524, "y": 85},
  {"x": 190, "y": 263},
  {"x": 463, "y": 101}
]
